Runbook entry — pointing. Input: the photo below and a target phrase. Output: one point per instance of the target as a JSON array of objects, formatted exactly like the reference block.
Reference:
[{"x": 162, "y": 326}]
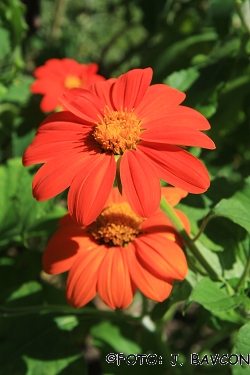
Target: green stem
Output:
[
  {"x": 171, "y": 312},
  {"x": 162, "y": 345},
  {"x": 243, "y": 10},
  {"x": 58, "y": 15},
  {"x": 54, "y": 309},
  {"x": 244, "y": 275},
  {"x": 168, "y": 210},
  {"x": 144, "y": 305},
  {"x": 202, "y": 227},
  {"x": 216, "y": 338}
]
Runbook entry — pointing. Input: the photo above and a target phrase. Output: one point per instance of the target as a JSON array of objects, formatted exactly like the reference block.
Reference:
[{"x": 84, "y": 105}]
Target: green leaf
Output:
[
  {"x": 183, "y": 79},
  {"x": 210, "y": 296},
  {"x": 3, "y": 90},
  {"x": 19, "y": 90},
  {"x": 213, "y": 298},
  {"x": 41, "y": 367},
  {"x": 12, "y": 16},
  {"x": 5, "y": 43},
  {"x": 21, "y": 142},
  {"x": 234, "y": 243},
  {"x": 208, "y": 110},
  {"x": 31, "y": 341},
  {"x": 171, "y": 53},
  {"x": 235, "y": 92},
  {"x": 66, "y": 323},
  {"x": 110, "y": 334},
  {"x": 236, "y": 208},
  {"x": 20, "y": 213},
  {"x": 242, "y": 347},
  {"x": 25, "y": 290},
  {"x": 180, "y": 292}
]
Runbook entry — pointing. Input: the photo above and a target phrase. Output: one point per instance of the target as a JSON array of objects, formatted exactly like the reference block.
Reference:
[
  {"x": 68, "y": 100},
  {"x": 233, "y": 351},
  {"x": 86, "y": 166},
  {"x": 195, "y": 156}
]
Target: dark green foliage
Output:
[{"x": 201, "y": 47}]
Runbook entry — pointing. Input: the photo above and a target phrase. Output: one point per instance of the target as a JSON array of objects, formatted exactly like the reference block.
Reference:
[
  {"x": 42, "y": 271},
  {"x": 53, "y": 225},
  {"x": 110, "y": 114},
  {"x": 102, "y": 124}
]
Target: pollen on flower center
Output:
[
  {"x": 72, "y": 81},
  {"x": 117, "y": 225},
  {"x": 117, "y": 131}
]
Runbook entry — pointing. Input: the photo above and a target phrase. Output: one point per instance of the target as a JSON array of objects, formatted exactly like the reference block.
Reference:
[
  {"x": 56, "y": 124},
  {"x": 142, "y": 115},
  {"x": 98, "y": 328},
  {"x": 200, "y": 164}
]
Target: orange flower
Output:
[
  {"x": 57, "y": 76},
  {"x": 118, "y": 253},
  {"x": 120, "y": 127}
]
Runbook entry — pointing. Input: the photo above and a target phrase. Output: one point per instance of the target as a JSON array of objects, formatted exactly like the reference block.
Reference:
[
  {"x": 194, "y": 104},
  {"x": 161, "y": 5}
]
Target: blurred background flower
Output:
[{"x": 57, "y": 76}]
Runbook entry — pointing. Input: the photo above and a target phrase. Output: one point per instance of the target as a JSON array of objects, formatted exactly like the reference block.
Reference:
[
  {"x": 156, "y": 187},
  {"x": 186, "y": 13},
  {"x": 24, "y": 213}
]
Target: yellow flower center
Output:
[
  {"x": 117, "y": 131},
  {"x": 117, "y": 225},
  {"x": 71, "y": 82}
]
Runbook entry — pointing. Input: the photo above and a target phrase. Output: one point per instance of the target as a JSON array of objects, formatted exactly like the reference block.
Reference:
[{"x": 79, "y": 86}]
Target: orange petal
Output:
[
  {"x": 53, "y": 68},
  {"x": 157, "y": 223},
  {"x": 50, "y": 102},
  {"x": 64, "y": 247},
  {"x": 67, "y": 220},
  {"x": 160, "y": 224},
  {"x": 115, "y": 197},
  {"x": 161, "y": 257},
  {"x": 49, "y": 145},
  {"x": 40, "y": 86},
  {"x": 82, "y": 278},
  {"x": 140, "y": 183},
  {"x": 91, "y": 187},
  {"x": 114, "y": 284},
  {"x": 148, "y": 284},
  {"x": 82, "y": 103},
  {"x": 103, "y": 91},
  {"x": 173, "y": 195},
  {"x": 57, "y": 174},
  {"x": 177, "y": 135},
  {"x": 156, "y": 102},
  {"x": 179, "y": 115},
  {"x": 130, "y": 88},
  {"x": 177, "y": 166},
  {"x": 64, "y": 121}
]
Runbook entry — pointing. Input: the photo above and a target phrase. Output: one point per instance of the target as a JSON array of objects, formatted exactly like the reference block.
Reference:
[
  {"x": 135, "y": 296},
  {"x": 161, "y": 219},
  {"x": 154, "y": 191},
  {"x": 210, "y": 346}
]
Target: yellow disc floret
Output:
[
  {"x": 72, "y": 81},
  {"x": 117, "y": 225},
  {"x": 117, "y": 131}
]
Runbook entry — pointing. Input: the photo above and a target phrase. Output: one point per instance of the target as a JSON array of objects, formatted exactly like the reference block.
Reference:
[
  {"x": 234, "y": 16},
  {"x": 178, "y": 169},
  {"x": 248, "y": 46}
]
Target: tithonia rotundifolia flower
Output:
[
  {"x": 57, "y": 76},
  {"x": 121, "y": 128},
  {"x": 119, "y": 253}
]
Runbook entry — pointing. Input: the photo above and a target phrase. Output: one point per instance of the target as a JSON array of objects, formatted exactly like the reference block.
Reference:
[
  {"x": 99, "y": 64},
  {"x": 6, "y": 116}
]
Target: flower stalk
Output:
[
  {"x": 169, "y": 212},
  {"x": 244, "y": 275}
]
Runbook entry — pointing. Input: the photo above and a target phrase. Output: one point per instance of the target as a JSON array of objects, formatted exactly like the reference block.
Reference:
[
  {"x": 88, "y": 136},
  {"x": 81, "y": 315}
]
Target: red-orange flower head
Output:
[
  {"x": 141, "y": 127},
  {"x": 58, "y": 76},
  {"x": 118, "y": 253}
]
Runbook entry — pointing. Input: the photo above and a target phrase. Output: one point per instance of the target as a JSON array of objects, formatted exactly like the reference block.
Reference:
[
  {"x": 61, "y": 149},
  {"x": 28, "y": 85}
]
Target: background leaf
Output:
[
  {"x": 19, "y": 215},
  {"x": 242, "y": 347},
  {"x": 236, "y": 208}
]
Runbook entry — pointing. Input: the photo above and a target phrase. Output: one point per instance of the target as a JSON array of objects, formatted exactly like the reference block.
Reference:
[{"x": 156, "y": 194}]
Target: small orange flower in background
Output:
[
  {"x": 120, "y": 128},
  {"x": 57, "y": 76},
  {"x": 118, "y": 253}
]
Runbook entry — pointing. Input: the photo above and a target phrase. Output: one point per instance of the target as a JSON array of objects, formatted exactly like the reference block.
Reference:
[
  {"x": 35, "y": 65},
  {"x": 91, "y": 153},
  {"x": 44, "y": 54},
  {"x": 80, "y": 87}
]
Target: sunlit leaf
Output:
[
  {"x": 20, "y": 213},
  {"x": 242, "y": 347},
  {"x": 25, "y": 290},
  {"x": 42, "y": 367},
  {"x": 183, "y": 79},
  {"x": 110, "y": 334},
  {"x": 236, "y": 208}
]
